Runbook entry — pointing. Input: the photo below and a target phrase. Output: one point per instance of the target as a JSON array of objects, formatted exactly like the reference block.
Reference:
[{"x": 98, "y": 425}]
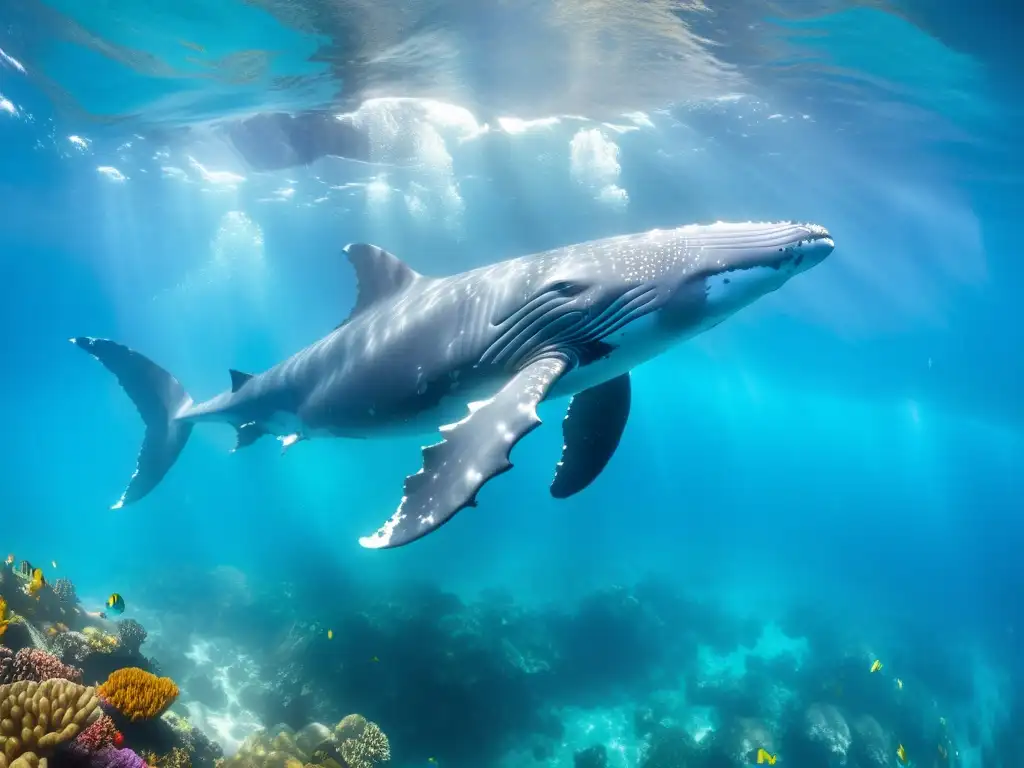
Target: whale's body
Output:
[{"x": 417, "y": 350}]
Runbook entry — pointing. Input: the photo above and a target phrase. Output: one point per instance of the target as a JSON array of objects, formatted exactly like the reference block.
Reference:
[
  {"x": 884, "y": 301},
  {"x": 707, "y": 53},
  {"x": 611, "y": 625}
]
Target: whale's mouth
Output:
[
  {"x": 821, "y": 236},
  {"x": 741, "y": 247}
]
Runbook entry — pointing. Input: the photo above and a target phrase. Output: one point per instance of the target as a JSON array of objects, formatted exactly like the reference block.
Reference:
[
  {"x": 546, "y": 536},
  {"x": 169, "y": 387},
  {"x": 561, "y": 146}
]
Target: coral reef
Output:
[
  {"x": 672, "y": 682},
  {"x": 37, "y": 666},
  {"x": 35, "y": 718},
  {"x": 871, "y": 747},
  {"x": 591, "y": 757},
  {"x": 365, "y": 748},
  {"x": 65, "y": 591},
  {"x": 667, "y": 747},
  {"x": 101, "y": 733},
  {"x": 131, "y": 635},
  {"x": 138, "y": 694},
  {"x": 826, "y": 729},
  {"x": 71, "y": 647},
  {"x": 354, "y": 742},
  {"x": 104, "y": 757},
  {"x": 100, "y": 641},
  {"x": 189, "y": 740}
]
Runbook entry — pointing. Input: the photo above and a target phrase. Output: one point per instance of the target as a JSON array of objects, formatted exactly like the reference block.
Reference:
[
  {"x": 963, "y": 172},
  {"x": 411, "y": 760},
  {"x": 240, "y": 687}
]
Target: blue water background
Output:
[{"x": 851, "y": 443}]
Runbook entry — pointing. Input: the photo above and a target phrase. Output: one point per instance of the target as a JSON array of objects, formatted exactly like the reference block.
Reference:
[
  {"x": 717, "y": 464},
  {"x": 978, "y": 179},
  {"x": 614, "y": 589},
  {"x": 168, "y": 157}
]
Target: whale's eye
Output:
[{"x": 566, "y": 288}]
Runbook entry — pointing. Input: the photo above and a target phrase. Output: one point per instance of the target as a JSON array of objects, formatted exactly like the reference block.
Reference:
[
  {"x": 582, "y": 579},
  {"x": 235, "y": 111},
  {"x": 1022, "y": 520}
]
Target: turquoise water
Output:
[{"x": 832, "y": 475}]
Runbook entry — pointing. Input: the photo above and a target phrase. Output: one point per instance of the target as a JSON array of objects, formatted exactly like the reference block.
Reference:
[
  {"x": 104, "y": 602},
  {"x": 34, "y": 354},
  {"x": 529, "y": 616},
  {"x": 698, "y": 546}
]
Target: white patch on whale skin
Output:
[{"x": 729, "y": 291}]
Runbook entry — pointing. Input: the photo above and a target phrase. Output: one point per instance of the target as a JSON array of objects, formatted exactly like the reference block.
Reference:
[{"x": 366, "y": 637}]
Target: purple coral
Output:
[
  {"x": 35, "y": 665},
  {"x": 6, "y": 665},
  {"x": 105, "y": 757},
  {"x": 112, "y": 757}
]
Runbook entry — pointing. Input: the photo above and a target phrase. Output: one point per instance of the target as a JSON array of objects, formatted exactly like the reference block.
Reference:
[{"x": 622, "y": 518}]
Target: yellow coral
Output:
[
  {"x": 137, "y": 694},
  {"x": 37, "y": 717},
  {"x": 100, "y": 641},
  {"x": 178, "y": 757}
]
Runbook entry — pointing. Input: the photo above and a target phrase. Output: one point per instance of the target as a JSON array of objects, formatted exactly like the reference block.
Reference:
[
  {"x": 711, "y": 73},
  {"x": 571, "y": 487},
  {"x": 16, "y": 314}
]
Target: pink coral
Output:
[
  {"x": 35, "y": 665},
  {"x": 102, "y": 733}
]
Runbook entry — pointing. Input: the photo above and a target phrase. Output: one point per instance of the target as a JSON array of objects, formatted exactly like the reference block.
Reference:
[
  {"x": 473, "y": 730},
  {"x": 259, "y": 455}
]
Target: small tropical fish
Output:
[
  {"x": 942, "y": 722},
  {"x": 901, "y": 753},
  {"x": 3, "y": 616},
  {"x": 115, "y": 604},
  {"x": 942, "y": 752},
  {"x": 375, "y": 659},
  {"x": 899, "y": 683},
  {"x": 763, "y": 757},
  {"x": 10, "y": 559},
  {"x": 876, "y": 665},
  {"x": 53, "y": 563},
  {"x": 330, "y": 634}
]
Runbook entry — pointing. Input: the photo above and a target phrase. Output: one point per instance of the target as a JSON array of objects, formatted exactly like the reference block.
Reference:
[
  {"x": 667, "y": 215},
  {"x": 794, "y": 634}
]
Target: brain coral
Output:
[
  {"x": 36, "y": 665},
  {"x": 137, "y": 694},
  {"x": 36, "y": 717}
]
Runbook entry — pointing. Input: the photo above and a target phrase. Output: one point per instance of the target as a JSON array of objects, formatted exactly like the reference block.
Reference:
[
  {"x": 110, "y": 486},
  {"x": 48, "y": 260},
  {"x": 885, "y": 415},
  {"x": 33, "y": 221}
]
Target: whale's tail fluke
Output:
[{"x": 159, "y": 398}]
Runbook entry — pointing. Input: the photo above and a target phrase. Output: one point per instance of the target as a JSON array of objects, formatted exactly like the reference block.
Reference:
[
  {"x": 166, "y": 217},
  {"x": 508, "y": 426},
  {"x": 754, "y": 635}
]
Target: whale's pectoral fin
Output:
[
  {"x": 591, "y": 432},
  {"x": 472, "y": 452},
  {"x": 247, "y": 434}
]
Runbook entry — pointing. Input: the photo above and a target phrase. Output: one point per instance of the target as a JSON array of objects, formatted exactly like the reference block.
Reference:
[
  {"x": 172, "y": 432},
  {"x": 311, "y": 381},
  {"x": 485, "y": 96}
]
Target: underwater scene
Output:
[{"x": 511, "y": 384}]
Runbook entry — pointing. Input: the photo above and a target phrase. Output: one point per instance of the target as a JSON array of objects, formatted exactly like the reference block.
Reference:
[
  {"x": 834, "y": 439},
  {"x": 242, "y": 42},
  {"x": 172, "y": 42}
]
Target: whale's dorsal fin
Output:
[
  {"x": 378, "y": 274},
  {"x": 238, "y": 378}
]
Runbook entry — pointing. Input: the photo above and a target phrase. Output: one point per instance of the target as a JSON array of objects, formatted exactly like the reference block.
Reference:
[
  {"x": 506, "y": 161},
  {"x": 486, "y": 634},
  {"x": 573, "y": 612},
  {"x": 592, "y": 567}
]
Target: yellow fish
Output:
[
  {"x": 901, "y": 753},
  {"x": 3, "y": 613},
  {"x": 37, "y": 583},
  {"x": 764, "y": 757},
  {"x": 899, "y": 683},
  {"x": 877, "y": 665},
  {"x": 330, "y": 634}
]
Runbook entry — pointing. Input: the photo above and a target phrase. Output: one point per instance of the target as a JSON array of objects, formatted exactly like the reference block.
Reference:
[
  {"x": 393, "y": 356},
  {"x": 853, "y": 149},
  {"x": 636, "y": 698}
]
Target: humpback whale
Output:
[{"x": 474, "y": 354}]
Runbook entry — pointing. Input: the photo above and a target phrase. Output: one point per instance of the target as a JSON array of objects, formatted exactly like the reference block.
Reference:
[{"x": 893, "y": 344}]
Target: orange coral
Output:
[{"x": 137, "y": 694}]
